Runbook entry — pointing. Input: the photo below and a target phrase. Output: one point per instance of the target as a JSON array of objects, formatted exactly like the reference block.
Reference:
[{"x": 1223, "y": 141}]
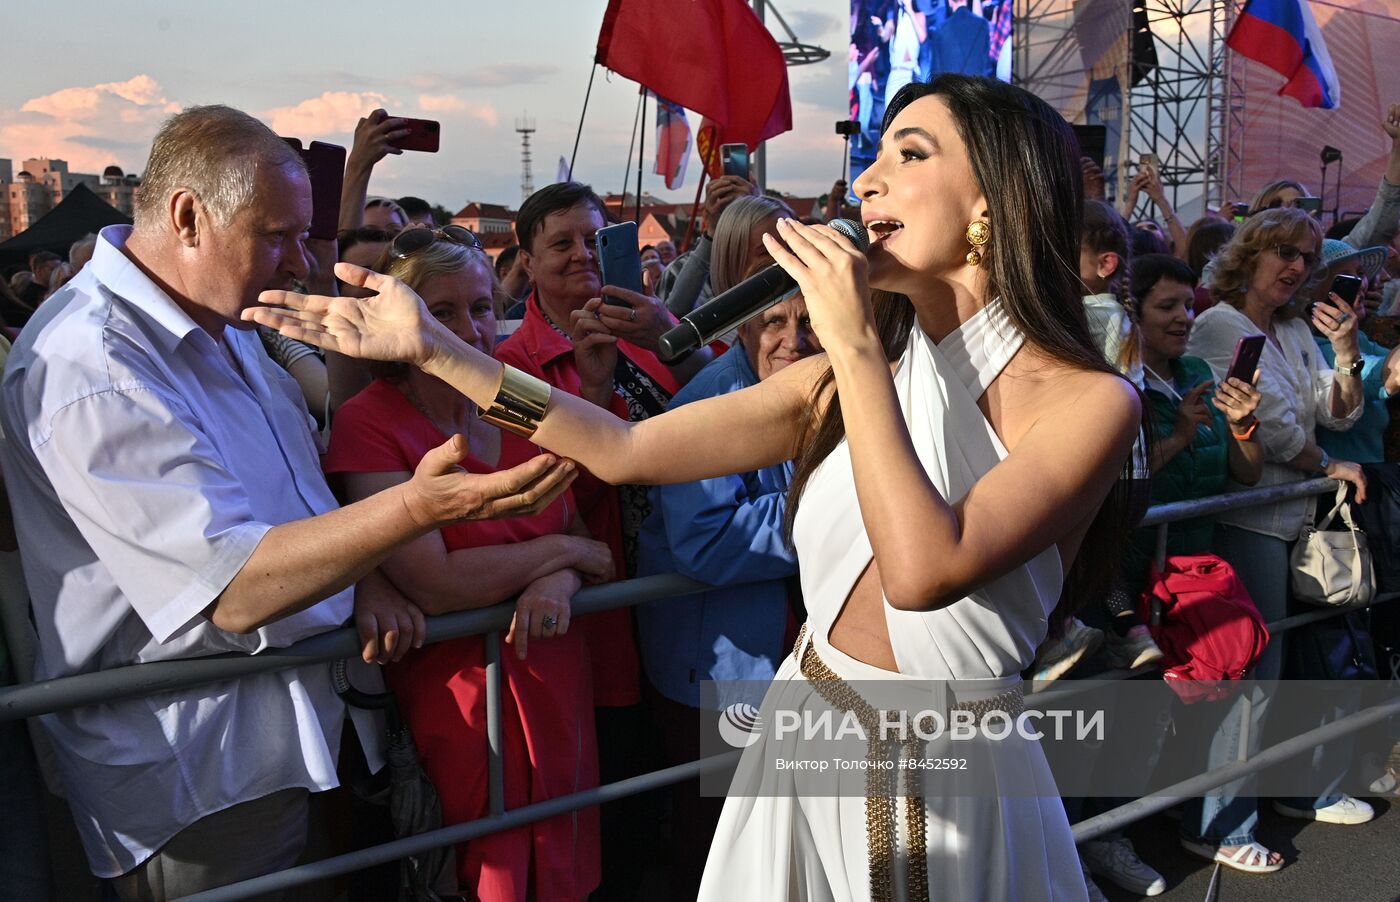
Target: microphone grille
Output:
[{"x": 854, "y": 231}]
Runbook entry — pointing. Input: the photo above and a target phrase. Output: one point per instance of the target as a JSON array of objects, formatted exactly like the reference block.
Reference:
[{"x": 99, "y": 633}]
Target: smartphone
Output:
[
  {"x": 422, "y": 135},
  {"x": 1092, "y": 141},
  {"x": 1240, "y": 211},
  {"x": 1313, "y": 205},
  {"x": 620, "y": 258},
  {"x": 1348, "y": 288},
  {"x": 735, "y": 159},
  {"x": 325, "y": 167},
  {"x": 1152, "y": 161},
  {"x": 1246, "y": 359}
]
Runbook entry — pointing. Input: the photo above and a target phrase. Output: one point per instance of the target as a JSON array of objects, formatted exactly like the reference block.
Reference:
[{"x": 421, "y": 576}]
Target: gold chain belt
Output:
[{"x": 880, "y": 793}]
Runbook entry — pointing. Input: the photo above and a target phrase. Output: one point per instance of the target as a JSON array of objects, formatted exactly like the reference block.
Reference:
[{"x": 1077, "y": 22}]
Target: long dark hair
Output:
[{"x": 1026, "y": 162}]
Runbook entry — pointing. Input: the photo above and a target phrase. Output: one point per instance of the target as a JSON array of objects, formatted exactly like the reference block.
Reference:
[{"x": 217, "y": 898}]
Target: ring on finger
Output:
[
  {"x": 549, "y": 622},
  {"x": 632, "y": 315}
]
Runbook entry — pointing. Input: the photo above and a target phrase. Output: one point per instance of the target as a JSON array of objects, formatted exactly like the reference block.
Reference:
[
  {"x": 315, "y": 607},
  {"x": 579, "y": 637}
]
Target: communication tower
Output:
[{"x": 525, "y": 127}]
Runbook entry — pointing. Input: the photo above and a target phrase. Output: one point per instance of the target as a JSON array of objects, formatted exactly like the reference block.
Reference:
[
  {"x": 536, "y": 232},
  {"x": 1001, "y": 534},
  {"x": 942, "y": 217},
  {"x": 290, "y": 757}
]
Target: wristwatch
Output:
[
  {"x": 1354, "y": 368},
  {"x": 1326, "y": 460}
]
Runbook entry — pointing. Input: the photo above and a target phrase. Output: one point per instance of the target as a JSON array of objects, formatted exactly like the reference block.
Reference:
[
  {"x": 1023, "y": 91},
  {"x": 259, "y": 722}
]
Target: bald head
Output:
[{"x": 214, "y": 152}]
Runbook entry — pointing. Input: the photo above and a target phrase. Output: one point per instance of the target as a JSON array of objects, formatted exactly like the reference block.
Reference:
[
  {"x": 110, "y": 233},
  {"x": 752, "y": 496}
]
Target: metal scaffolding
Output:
[{"x": 1078, "y": 55}]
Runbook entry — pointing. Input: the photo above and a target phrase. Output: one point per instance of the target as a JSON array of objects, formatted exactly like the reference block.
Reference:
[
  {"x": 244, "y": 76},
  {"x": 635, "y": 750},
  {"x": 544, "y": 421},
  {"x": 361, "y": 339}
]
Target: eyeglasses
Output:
[
  {"x": 411, "y": 241},
  {"x": 1288, "y": 253}
]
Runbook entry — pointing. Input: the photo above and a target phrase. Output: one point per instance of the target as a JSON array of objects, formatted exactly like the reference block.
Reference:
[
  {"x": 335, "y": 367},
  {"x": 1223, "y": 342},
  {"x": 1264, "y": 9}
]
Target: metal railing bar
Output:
[
  {"x": 495, "y": 767},
  {"x": 140, "y": 680},
  {"x": 1200, "y": 507},
  {"x": 424, "y": 842},
  {"x": 1074, "y": 686},
  {"x": 1167, "y": 797}
]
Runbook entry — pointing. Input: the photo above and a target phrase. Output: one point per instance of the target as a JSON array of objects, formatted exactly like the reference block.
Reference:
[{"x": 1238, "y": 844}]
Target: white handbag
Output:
[{"x": 1333, "y": 566}]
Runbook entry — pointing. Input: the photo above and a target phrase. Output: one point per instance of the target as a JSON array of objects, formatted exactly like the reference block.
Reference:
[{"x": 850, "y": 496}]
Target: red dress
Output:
[
  {"x": 540, "y": 350},
  {"x": 548, "y": 743}
]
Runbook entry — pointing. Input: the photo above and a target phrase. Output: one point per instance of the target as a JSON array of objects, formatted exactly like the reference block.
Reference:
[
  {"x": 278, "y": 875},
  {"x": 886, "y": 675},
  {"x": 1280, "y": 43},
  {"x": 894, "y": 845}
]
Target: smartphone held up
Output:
[
  {"x": 620, "y": 258},
  {"x": 734, "y": 158},
  {"x": 325, "y": 168},
  {"x": 423, "y": 135}
]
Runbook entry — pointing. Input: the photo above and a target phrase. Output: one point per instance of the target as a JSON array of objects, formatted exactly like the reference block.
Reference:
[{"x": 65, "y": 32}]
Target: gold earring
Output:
[{"x": 978, "y": 234}]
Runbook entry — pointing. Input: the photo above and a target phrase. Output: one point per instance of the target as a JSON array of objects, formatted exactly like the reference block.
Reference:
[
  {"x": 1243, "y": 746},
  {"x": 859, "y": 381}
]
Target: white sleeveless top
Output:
[{"x": 994, "y": 631}]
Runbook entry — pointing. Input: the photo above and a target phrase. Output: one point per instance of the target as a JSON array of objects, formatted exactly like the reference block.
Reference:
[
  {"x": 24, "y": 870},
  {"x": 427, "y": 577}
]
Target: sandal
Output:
[{"x": 1250, "y": 858}]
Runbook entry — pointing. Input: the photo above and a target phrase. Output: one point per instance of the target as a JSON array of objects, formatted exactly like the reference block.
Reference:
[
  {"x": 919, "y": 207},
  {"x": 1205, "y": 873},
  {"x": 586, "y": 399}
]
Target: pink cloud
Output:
[
  {"x": 91, "y": 127},
  {"x": 484, "y": 113},
  {"x": 440, "y": 103},
  {"x": 332, "y": 113}
]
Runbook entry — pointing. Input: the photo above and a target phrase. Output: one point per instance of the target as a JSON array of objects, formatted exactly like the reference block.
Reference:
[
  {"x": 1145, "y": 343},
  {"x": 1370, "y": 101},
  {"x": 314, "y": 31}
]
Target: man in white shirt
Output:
[{"x": 171, "y": 504}]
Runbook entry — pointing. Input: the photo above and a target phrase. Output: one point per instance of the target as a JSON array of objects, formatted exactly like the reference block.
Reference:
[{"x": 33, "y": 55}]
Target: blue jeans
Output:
[{"x": 1228, "y": 816}]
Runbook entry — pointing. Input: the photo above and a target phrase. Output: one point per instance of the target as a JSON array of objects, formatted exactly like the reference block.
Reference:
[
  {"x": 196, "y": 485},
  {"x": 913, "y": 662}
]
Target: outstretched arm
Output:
[
  {"x": 757, "y": 427},
  {"x": 299, "y": 563}
]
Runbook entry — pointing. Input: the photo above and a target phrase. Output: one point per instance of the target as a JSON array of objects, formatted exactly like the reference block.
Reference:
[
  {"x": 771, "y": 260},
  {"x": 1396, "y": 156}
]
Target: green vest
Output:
[{"x": 1199, "y": 471}]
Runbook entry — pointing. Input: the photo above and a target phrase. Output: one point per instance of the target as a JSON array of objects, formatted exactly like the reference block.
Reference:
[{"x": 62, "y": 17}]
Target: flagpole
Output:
[
  {"x": 760, "y": 157},
  {"x": 641, "y": 155},
  {"x": 631, "y": 144},
  {"x": 695, "y": 208},
  {"x": 586, "y": 94}
]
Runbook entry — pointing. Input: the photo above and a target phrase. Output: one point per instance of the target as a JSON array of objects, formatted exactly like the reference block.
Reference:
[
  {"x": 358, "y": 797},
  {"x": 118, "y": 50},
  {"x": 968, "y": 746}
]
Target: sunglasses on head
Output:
[
  {"x": 1288, "y": 253},
  {"x": 411, "y": 241}
]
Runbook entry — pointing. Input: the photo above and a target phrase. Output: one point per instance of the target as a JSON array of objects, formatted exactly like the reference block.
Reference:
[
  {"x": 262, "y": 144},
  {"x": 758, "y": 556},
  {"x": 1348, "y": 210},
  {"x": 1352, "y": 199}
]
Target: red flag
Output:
[{"x": 711, "y": 56}]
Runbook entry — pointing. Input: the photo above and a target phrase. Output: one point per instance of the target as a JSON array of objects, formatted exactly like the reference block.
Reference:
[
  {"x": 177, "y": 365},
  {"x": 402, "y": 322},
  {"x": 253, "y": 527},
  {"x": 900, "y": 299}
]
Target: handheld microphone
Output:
[{"x": 742, "y": 302}]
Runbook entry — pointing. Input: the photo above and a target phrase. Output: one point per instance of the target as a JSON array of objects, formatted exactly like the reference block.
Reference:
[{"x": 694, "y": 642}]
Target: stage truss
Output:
[{"x": 1077, "y": 55}]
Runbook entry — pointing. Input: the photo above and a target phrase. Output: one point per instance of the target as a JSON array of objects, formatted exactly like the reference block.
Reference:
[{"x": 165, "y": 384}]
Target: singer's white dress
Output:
[{"x": 776, "y": 843}]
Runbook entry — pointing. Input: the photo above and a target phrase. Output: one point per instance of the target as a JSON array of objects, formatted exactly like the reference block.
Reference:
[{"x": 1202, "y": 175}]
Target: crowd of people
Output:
[{"x": 182, "y": 485}]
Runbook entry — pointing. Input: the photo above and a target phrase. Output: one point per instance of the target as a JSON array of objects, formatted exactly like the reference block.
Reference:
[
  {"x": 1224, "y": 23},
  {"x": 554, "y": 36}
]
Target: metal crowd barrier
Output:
[{"x": 139, "y": 680}]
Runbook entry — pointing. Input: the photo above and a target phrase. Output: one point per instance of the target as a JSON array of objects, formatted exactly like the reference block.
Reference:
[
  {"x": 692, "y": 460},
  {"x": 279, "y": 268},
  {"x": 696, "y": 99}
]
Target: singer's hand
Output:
[
  {"x": 641, "y": 319},
  {"x": 595, "y": 353},
  {"x": 832, "y": 276}
]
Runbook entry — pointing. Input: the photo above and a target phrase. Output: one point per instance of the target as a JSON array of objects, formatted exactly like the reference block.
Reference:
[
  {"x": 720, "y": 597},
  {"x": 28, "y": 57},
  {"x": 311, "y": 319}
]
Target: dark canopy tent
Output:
[{"x": 78, "y": 214}]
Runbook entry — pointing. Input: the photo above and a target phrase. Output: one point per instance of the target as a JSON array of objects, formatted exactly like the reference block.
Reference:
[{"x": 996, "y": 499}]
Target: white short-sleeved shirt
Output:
[
  {"x": 144, "y": 469},
  {"x": 1295, "y": 388}
]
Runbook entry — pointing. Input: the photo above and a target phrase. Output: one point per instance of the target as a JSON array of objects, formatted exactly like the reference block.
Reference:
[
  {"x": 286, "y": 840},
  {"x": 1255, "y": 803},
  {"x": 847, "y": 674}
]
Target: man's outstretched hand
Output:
[{"x": 441, "y": 492}]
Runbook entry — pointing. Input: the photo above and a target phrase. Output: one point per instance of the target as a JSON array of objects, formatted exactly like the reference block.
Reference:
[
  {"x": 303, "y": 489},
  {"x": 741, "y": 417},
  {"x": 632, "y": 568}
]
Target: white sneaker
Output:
[
  {"x": 1115, "y": 860},
  {"x": 1057, "y": 657},
  {"x": 1385, "y": 784},
  {"x": 1132, "y": 650},
  {"x": 1095, "y": 894},
  {"x": 1345, "y": 810}
]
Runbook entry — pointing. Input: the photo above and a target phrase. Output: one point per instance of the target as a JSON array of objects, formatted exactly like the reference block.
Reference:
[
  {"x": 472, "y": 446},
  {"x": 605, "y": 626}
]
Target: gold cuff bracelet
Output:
[{"x": 520, "y": 403}]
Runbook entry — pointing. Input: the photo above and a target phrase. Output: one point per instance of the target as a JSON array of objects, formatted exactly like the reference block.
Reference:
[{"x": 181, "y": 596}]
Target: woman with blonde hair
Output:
[
  {"x": 738, "y": 241},
  {"x": 547, "y": 697},
  {"x": 1257, "y": 280},
  {"x": 1276, "y": 194}
]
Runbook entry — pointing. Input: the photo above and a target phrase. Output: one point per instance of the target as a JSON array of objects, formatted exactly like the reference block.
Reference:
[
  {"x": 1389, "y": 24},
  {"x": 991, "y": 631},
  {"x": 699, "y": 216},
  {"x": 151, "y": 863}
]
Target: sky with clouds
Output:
[{"x": 91, "y": 87}]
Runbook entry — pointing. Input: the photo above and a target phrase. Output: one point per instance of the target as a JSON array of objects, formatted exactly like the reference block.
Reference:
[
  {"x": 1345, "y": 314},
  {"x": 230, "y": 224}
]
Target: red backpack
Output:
[{"x": 1209, "y": 629}]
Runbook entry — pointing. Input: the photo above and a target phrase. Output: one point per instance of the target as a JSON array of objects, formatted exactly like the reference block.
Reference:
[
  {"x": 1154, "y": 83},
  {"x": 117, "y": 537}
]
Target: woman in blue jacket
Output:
[{"x": 727, "y": 532}]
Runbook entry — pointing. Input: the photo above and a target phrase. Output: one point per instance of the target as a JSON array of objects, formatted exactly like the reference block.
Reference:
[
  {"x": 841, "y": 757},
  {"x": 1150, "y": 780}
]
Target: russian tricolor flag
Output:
[
  {"x": 672, "y": 141},
  {"x": 1283, "y": 35}
]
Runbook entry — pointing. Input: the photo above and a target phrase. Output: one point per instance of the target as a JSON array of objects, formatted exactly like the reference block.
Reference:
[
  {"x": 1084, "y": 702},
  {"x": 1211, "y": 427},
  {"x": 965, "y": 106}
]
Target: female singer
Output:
[{"x": 955, "y": 446}]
